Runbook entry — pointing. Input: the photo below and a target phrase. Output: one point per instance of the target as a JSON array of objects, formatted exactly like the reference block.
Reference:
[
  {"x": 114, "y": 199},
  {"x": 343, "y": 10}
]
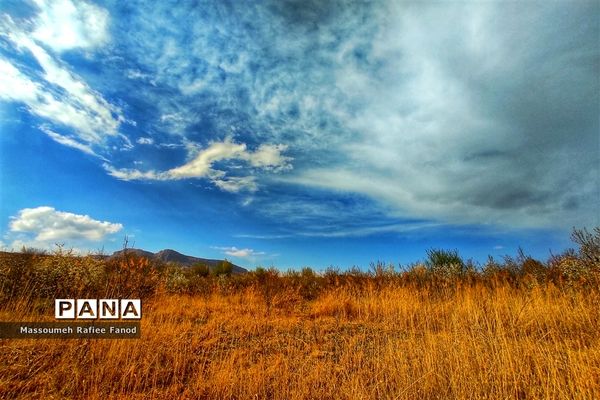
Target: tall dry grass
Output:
[
  {"x": 388, "y": 343},
  {"x": 518, "y": 330}
]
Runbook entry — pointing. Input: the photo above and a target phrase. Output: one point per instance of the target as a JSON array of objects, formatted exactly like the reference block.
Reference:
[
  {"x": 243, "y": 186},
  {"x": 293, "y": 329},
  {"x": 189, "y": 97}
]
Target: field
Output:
[{"x": 520, "y": 329}]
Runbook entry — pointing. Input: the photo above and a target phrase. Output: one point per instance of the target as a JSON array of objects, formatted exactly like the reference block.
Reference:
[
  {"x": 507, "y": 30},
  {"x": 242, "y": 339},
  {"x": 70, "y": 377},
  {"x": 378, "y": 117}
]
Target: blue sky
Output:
[{"x": 295, "y": 133}]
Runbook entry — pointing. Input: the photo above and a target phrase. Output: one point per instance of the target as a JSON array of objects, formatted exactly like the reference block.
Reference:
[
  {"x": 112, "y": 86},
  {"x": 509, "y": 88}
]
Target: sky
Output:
[{"x": 299, "y": 133}]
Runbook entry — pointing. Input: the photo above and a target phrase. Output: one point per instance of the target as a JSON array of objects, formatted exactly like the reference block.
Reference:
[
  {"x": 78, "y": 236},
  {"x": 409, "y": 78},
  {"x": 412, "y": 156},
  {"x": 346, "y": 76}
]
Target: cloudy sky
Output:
[{"x": 295, "y": 133}]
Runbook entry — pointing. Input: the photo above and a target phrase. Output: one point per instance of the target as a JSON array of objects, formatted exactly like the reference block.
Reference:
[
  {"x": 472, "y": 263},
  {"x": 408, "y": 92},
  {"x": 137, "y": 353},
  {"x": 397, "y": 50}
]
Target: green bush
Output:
[
  {"x": 223, "y": 268},
  {"x": 200, "y": 269},
  {"x": 445, "y": 263}
]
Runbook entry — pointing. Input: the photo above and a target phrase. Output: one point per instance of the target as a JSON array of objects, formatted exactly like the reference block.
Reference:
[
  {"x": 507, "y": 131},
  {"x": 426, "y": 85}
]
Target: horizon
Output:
[
  {"x": 295, "y": 134},
  {"x": 60, "y": 250}
]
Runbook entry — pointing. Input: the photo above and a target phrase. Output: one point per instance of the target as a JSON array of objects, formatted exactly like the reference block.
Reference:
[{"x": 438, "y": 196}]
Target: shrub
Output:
[
  {"x": 223, "y": 268},
  {"x": 176, "y": 280},
  {"x": 131, "y": 276},
  {"x": 308, "y": 283},
  {"x": 445, "y": 263},
  {"x": 200, "y": 269},
  {"x": 533, "y": 267},
  {"x": 589, "y": 245},
  {"x": 567, "y": 267}
]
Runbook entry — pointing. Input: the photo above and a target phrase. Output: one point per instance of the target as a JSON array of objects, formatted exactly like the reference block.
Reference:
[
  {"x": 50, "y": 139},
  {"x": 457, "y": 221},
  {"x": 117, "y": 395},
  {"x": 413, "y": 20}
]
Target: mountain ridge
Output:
[{"x": 173, "y": 256}]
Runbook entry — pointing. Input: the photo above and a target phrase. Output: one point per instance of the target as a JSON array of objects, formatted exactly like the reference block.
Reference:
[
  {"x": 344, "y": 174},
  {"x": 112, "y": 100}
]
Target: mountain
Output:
[
  {"x": 138, "y": 252},
  {"x": 172, "y": 256}
]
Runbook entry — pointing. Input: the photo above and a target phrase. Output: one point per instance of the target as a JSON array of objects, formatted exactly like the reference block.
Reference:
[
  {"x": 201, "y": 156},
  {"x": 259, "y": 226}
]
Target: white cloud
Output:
[
  {"x": 130, "y": 174},
  {"x": 145, "y": 140},
  {"x": 48, "y": 224},
  {"x": 269, "y": 157},
  {"x": 176, "y": 122},
  {"x": 236, "y": 184},
  {"x": 65, "y": 25},
  {"x": 16, "y": 86},
  {"x": 137, "y": 74},
  {"x": 194, "y": 87},
  {"x": 68, "y": 141},
  {"x": 201, "y": 165},
  {"x": 171, "y": 145},
  {"x": 240, "y": 253},
  {"x": 57, "y": 94},
  {"x": 88, "y": 112}
]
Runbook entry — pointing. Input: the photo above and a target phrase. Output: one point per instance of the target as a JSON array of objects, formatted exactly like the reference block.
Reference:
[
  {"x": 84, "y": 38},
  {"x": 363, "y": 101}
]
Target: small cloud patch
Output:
[
  {"x": 240, "y": 253},
  {"x": 145, "y": 140}
]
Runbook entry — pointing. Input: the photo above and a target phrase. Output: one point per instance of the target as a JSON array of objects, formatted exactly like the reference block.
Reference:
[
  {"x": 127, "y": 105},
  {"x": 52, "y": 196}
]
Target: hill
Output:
[{"x": 172, "y": 256}]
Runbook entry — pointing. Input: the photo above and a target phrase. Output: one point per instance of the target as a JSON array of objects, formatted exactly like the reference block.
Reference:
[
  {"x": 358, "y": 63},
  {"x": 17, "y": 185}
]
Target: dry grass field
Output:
[{"x": 494, "y": 333}]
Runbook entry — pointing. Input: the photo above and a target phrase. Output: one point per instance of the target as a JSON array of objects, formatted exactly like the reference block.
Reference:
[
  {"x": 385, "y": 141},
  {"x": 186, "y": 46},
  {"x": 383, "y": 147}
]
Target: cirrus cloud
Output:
[{"x": 54, "y": 92}]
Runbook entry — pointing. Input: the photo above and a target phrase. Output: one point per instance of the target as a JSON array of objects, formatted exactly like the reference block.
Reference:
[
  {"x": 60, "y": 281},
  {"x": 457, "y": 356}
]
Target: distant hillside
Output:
[{"x": 172, "y": 256}]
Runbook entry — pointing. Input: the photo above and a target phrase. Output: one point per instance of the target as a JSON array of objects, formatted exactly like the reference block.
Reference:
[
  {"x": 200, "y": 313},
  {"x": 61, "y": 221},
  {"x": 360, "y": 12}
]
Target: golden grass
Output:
[{"x": 395, "y": 342}]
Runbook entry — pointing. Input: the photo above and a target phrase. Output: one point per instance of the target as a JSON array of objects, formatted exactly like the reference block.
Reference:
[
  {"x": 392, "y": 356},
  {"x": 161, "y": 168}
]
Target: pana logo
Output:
[{"x": 97, "y": 309}]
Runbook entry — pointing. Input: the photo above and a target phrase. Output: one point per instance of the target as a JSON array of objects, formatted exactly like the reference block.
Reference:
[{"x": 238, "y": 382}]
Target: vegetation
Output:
[
  {"x": 445, "y": 262},
  {"x": 442, "y": 329},
  {"x": 200, "y": 270},
  {"x": 223, "y": 268}
]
